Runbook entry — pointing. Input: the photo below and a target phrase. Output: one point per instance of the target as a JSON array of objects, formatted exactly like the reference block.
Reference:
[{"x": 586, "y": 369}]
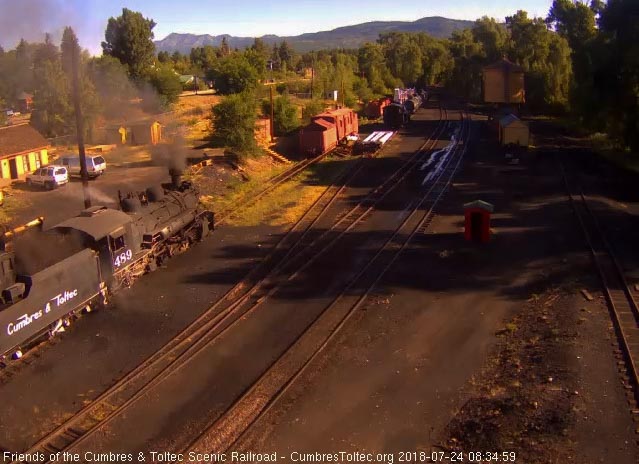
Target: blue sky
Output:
[{"x": 32, "y": 18}]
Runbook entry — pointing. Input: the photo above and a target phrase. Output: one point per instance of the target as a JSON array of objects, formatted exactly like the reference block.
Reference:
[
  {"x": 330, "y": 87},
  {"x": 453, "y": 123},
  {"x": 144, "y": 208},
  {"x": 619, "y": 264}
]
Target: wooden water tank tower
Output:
[{"x": 503, "y": 82}]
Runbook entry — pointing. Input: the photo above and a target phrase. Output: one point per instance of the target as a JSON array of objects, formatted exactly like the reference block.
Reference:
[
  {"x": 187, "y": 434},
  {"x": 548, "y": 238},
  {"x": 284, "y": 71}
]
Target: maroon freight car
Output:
[
  {"x": 318, "y": 137},
  {"x": 327, "y": 129},
  {"x": 375, "y": 108}
]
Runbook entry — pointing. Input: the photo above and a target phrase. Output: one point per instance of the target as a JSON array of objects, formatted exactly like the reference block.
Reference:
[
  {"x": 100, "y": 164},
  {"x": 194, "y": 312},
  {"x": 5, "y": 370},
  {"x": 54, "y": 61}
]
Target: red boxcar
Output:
[
  {"x": 318, "y": 137},
  {"x": 375, "y": 108},
  {"x": 344, "y": 119},
  {"x": 327, "y": 129}
]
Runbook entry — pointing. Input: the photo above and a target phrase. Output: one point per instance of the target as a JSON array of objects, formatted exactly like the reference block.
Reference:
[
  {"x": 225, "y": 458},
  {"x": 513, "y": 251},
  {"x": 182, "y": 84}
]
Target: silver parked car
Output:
[{"x": 49, "y": 177}]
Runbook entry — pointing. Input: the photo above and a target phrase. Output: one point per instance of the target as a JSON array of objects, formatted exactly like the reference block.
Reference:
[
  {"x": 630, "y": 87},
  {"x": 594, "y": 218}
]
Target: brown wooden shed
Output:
[
  {"x": 503, "y": 82},
  {"x": 145, "y": 132},
  {"x": 114, "y": 134}
]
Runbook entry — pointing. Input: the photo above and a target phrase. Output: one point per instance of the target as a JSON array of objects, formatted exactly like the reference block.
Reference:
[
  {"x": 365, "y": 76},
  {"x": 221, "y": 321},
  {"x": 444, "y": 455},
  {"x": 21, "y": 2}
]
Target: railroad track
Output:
[
  {"x": 135, "y": 383},
  {"x": 271, "y": 184},
  {"x": 621, "y": 302},
  {"x": 199, "y": 334},
  {"x": 231, "y": 427}
]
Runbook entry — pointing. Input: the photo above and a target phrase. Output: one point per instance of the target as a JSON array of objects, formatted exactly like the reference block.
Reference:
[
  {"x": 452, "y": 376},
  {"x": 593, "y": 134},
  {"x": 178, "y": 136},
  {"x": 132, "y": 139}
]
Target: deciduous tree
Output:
[
  {"x": 285, "y": 118},
  {"x": 233, "y": 74},
  {"x": 234, "y": 123},
  {"x": 166, "y": 83},
  {"x": 129, "y": 38}
]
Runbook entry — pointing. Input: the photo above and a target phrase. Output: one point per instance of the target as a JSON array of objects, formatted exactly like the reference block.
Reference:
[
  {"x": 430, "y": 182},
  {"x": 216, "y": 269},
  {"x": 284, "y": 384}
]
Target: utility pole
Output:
[
  {"x": 272, "y": 112},
  {"x": 79, "y": 123},
  {"x": 312, "y": 78}
]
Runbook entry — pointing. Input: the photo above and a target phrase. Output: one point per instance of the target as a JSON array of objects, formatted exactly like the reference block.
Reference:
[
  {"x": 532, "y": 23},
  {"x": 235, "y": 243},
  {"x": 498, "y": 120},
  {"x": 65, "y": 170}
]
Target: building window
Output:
[{"x": 25, "y": 163}]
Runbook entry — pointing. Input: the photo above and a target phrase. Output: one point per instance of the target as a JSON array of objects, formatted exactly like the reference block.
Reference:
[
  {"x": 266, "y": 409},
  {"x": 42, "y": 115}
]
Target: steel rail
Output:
[
  {"x": 622, "y": 305},
  {"x": 272, "y": 184},
  {"x": 257, "y": 400},
  {"x": 211, "y": 332},
  {"x": 73, "y": 431}
]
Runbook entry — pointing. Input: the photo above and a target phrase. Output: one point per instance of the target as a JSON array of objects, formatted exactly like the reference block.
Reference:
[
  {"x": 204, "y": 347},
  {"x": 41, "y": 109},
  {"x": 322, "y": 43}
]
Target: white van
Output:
[{"x": 96, "y": 165}]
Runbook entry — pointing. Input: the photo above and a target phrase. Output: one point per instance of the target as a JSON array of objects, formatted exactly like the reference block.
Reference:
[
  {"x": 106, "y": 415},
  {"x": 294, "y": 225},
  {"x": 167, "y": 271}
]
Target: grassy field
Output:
[{"x": 287, "y": 203}]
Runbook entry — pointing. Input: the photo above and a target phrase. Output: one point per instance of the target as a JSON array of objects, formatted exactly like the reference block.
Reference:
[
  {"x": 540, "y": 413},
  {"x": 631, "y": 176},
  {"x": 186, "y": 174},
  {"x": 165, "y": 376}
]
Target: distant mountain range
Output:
[{"x": 342, "y": 37}]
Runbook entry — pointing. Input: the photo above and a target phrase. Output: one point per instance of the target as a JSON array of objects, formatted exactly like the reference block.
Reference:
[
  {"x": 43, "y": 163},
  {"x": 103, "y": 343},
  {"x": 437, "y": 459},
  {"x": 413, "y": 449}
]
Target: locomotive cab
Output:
[
  {"x": 110, "y": 233},
  {"x": 7, "y": 269}
]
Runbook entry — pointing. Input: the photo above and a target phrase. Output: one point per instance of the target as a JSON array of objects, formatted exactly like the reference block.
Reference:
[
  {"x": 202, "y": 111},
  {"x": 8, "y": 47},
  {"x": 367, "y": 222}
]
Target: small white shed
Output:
[{"x": 513, "y": 131}]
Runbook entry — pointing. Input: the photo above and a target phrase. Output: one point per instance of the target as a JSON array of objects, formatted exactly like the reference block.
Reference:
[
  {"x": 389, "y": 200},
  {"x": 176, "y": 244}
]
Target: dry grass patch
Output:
[
  {"x": 127, "y": 155},
  {"x": 193, "y": 113},
  {"x": 287, "y": 204},
  {"x": 14, "y": 202}
]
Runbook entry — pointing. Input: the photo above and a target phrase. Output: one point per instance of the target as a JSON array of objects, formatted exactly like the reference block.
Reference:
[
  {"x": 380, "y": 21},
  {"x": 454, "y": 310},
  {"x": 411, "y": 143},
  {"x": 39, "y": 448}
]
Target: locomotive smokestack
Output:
[
  {"x": 176, "y": 176},
  {"x": 173, "y": 156}
]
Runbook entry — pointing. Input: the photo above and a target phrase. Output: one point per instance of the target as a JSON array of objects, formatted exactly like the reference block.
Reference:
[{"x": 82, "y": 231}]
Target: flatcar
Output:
[{"x": 48, "y": 277}]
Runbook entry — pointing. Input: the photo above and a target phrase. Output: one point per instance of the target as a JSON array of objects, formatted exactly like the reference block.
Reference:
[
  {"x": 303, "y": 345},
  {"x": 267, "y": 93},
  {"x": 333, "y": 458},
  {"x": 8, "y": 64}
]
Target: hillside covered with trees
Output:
[
  {"x": 342, "y": 37},
  {"x": 581, "y": 60}
]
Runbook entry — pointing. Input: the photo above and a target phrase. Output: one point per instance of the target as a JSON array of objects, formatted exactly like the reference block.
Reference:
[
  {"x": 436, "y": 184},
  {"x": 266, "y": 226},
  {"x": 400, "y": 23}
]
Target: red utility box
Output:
[{"x": 477, "y": 221}]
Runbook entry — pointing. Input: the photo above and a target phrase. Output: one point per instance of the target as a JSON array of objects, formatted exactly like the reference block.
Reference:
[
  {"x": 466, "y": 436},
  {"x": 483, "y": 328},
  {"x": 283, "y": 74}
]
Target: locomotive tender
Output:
[{"x": 83, "y": 259}]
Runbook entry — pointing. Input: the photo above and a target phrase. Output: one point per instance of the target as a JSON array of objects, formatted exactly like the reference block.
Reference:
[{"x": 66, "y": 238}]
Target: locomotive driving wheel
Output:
[{"x": 194, "y": 234}]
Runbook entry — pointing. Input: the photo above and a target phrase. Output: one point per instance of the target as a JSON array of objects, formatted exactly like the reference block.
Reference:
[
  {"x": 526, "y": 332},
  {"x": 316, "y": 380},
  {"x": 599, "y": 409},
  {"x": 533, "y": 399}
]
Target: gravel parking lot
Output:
[{"x": 66, "y": 201}]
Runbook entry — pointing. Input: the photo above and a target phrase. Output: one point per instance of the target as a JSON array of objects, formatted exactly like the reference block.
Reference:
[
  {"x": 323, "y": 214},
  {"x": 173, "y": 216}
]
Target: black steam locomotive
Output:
[{"x": 47, "y": 277}]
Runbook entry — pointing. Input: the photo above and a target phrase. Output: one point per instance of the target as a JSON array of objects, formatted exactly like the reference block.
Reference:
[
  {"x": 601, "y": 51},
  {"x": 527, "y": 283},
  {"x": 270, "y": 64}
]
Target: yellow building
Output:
[
  {"x": 22, "y": 150},
  {"x": 503, "y": 82}
]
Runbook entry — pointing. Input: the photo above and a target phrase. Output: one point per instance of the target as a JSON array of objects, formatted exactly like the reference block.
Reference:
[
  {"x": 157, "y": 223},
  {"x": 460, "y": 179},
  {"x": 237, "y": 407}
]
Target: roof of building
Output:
[
  {"x": 511, "y": 119},
  {"x": 323, "y": 123},
  {"x": 142, "y": 122},
  {"x": 505, "y": 65},
  {"x": 24, "y": 96},
  {"x": 333, "y": 113},
  {"x": 96, "y": 222},
  {"x": 481, "y": 204},
  {"x": 21, "y": 138}
]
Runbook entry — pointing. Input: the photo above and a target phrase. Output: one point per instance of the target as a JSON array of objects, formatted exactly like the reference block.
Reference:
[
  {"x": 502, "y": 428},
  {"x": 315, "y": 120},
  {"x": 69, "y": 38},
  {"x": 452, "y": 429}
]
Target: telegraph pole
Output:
[
  {"x": 79, "y": 123},
  {"x": 272, "y": 112}
]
